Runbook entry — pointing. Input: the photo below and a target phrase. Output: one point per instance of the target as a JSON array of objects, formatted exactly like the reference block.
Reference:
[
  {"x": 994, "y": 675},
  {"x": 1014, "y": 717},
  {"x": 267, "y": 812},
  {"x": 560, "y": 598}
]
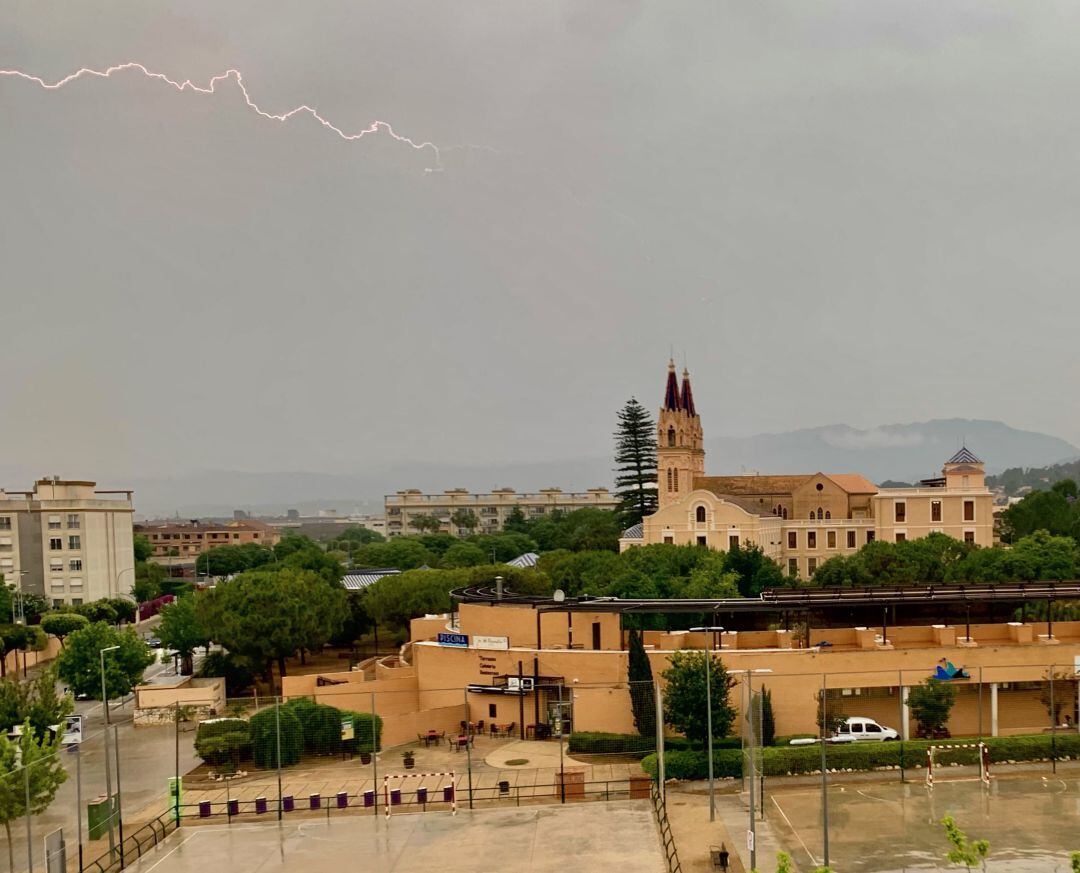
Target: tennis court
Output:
[
  {"x": 1032, "y": 822},
  {"x": 617, "y": 835}
]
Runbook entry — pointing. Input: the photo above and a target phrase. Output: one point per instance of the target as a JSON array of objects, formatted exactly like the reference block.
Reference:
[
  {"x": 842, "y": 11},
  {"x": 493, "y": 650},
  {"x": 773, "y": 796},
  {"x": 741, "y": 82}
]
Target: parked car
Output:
[
  {"x": 856, "y": 729},
  {"x": 153, "y": 642}
]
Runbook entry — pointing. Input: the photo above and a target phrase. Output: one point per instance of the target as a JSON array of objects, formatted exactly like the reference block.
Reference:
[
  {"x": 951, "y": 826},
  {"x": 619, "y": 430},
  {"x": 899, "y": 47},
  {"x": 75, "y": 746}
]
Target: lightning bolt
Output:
[{"x": 211, "y": 87}]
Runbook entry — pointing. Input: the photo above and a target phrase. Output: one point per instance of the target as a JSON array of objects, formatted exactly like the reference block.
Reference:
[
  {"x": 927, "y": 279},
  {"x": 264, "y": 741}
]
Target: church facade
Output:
[{"x": 799, "y": 520}]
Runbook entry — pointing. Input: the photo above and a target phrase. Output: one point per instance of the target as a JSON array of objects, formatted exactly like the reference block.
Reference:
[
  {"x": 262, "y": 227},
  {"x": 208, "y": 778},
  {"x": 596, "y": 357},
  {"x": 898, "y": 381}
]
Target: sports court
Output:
[
  {"x": 1032, "y": 822},
  {"x": 616, "y": 835}
]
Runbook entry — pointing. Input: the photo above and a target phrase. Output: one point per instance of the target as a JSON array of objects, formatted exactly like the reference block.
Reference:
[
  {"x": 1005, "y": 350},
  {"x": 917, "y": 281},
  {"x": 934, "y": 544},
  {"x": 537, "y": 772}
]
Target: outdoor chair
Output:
[{"x": 480, "y": 726}]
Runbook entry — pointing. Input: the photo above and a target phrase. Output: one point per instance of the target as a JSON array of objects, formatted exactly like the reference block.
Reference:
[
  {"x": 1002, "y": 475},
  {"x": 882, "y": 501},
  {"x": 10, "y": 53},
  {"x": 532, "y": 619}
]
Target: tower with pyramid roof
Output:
[{"x": 680, "y": 449}]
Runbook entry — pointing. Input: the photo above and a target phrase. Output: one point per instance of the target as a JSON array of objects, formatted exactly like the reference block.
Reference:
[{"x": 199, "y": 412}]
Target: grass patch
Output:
[{"x": 517, "y": 762}]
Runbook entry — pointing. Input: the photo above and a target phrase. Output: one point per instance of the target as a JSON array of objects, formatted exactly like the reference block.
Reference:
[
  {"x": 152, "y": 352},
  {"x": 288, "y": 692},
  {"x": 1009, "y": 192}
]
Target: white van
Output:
[{"x": 858, "y": 729}]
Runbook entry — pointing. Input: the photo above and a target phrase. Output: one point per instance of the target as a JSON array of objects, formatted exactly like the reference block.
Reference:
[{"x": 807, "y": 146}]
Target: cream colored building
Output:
[
  {"x": 491, "y": 509},
  {"x": 67, "y": 541},
  {"x": 798, "y": 520}
]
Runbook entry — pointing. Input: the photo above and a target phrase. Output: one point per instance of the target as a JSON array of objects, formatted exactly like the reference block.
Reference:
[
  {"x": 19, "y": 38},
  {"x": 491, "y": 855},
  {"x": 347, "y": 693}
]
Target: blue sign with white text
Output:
[{"x": 459, "y": 640}]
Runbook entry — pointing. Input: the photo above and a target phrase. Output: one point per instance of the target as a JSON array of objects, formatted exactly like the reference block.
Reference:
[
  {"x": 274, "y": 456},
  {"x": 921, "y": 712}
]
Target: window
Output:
[
  {"x": 671, "y": 437},
  {"x": 5, "y": 543},
  {"x": 56, "y": 565},
  {"x": 236, "y": 536},
  {"x": 900, "y": 510},
  {"x": 702, "y": 541},
  {"x": 872, "y": 728},
  {"x": 57, "y": 602},
  {"x": 5, "y": 522},
  {"x": 700, "y": 515},
  {"x": 901, "y": 536},
  {"x": 811, "y": 566},
  {"x": 969, "y": 536},
  {"x": 493, "y": 710},
  {"x": 668, "y": 539},
  {"x": 935, "y": 510},
  {"x": 793, "y": 567},
  {"x": 733, "y": 541},
  {"x": 596, "y": 636},
  {"x": 73, "y": 521},
  {"x": 792, "y": 539},
  {"x": 75, "y": 565},
  {"x": 828, "y": 514},
  {"x": 811, "y": 539},
  {"x": 76, "y": 584},
  {"x": 851, "y": 539},
  {"x": 676, "y": 478},
  {"x": 76, "y": 601},
  {"x": 785, "y": 512},
  {"x": 819, "y": 514},
  {"x": 75, "y": 542},
  {"x": 56, "y": 543},
  {"x": 830, "y": 539},
  {"x": 669, "y": 479},
  {"x": 869, "y": 536},
  {"x": 969, "y": 510},
  {"x": 57, "y": 583},
  {"x": 54, "y": 522},
  {"x": 811, "y": 516}
]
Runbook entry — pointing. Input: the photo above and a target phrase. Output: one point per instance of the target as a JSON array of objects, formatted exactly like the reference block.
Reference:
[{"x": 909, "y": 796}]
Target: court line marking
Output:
[
  {"x": 810, "y": 854},
  {"x": 165, "y": 857}
]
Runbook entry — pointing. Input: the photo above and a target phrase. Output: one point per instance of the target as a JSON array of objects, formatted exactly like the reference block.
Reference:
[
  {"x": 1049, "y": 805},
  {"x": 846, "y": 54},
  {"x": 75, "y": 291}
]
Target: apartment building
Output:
[
  {"x": 67, "y": 540},
  {"x": 191, "y": 539},
  {"x": 490, "y": 510},
  {"x": 799, "y": 520}
]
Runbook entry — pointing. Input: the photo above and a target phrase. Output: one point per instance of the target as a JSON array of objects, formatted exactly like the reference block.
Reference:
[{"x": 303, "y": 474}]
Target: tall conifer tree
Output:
[
  {"x": 635, "y": 463},
  {"x": 642, "y": 691}
]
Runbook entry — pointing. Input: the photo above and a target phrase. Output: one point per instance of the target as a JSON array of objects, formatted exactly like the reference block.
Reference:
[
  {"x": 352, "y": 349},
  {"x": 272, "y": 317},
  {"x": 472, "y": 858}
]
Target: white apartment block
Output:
[
  {"x": 67, "y": 541},
  {"x": 490, "y": 509}
]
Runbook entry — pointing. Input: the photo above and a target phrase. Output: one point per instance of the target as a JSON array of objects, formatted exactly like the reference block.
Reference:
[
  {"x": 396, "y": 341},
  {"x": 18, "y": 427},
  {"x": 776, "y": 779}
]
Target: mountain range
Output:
[{"x": 905, "y": 452}]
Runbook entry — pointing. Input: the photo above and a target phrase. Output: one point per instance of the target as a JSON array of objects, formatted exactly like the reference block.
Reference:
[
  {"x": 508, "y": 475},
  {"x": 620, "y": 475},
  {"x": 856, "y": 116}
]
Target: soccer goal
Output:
[
  {"x": 445, "y": 792},
  {"x": 933, "y": 765}
]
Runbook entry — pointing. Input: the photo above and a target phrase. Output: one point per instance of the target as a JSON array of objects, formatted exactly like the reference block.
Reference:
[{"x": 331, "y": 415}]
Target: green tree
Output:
[
  {"x": 360, "y": 535},
  {"x": 756, "y": 570},
  {"x": 963, "y": 852},
  {"x": 267, "y": 616},
  {"x": 79, "y": 663},
  {"x": 181, "y": 630},
  {"x": 60, "y": 624},
  {"x": 635, "y": 463},
  {"x": 394, "y": 600},
  {"x": 149, "y": 581},
  {"x": 142, "y": 548},
  {"x": 401, "y": 553},
  {"x": 1050, "y": 511},
  {"x": 464, "y": 554},
  {"x": 767, "y": 728},
  {"x": 464, "y": 520},
  {"x": 223, "y": 561},
  {"x": 684, "y": 695},
  {"x": 516, "y": 522},
  {"x": 640, "y": 681},
  {"x": 28, "y": 764},
  {"x": 930, "y": 703},
  {"x": 425, "y": 523}
]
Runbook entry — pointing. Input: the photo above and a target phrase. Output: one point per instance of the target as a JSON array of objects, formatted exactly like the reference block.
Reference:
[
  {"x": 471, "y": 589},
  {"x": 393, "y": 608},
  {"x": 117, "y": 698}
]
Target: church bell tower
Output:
[{"x": 680, "y": 450}]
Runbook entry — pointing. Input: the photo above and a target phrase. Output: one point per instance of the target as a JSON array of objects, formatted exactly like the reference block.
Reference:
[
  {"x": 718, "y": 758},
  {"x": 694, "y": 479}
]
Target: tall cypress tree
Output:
[
  {"x": 635, "y": 463},
  {"x": 642, "y": 690}
]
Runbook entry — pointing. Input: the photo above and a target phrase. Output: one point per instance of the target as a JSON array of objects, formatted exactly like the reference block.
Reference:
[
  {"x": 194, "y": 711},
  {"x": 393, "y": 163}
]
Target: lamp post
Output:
[
  {"x": 753, "y": 766},
  {"x": 108, "y": 767},
  {"x": 708, "y": 715}
]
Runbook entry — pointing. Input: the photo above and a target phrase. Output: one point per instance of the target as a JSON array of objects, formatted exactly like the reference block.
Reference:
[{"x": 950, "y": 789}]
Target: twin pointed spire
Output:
[{"x": 674, "y": 399}]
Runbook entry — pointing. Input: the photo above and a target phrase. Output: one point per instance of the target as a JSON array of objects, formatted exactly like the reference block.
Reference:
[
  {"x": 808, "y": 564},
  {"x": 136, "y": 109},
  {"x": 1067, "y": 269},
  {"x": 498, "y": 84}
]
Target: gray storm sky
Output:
[{"x": 859, "y": 212}]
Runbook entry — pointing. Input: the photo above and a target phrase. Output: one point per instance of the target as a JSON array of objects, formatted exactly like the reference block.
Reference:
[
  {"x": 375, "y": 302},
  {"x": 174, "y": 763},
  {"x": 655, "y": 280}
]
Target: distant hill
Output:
[
  {"x": 904, "y": 452},
  {"x": 1039, "y": 478}
]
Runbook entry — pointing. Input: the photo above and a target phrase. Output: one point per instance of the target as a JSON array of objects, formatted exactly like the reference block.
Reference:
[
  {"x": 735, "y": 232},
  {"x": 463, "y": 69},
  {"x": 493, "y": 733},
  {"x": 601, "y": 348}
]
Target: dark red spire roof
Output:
[
  {"x": 671, "y": 393},
  {"x": 687, "y": 394}
]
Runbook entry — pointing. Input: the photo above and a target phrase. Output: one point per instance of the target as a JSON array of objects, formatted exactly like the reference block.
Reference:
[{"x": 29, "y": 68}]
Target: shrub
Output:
[
  {"x": 238, "y": 676},
  {"x": 598, "y": 743},
  {"x": 367, "y": 732},
  {"x": 222, "y": 740},
  {"x": 264, "y": 740},
  {"x": 931, "y": 704},
  {"x": 695, "y": 765},
  {"x": 320, "y": 724}
]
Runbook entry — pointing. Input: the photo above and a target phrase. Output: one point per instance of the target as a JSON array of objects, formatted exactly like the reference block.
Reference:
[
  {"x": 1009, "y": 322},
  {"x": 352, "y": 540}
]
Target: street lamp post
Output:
[
  {"x": 108, "y": 767},
  {"x": 708, "y": 716}
]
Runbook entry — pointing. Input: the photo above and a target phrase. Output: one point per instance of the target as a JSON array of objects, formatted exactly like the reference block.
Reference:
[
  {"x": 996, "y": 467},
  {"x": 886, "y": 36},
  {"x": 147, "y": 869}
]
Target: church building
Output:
[{"x": 799, "y": 520}]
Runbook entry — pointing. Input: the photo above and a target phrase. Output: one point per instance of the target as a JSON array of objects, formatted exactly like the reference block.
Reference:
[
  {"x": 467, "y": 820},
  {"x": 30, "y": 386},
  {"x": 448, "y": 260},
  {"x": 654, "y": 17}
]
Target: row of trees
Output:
[{"x": 1056, "y": 511}]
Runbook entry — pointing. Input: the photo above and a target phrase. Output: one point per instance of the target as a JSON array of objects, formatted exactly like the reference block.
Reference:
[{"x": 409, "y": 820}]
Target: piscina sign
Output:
[{"x": 461, "y": 641}]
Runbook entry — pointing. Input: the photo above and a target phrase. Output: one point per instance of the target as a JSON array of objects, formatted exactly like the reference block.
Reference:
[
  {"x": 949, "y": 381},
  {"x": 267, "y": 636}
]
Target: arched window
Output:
[
  {"x": 669, "y": 479},
  {"x": 701, "y": 514},
  {"x": 671, "y": 436},
  {"x": 828, "y": 514},
  {"x": 811, "y": 515},
  {"x": 785, "y": 512},
  {"x": 819, "y": 513},
  {"x": 676, "y": 479}
]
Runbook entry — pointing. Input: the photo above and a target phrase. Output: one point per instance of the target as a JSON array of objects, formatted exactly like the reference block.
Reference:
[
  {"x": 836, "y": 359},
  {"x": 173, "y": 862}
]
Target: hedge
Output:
[
  {"x": 367, "y": 732},
  {"x": 321, "y": 725},
  {"x": 796, "y": 760},
  {"x": 264, "y": 737},
  {"x": 597, "y": 743}
]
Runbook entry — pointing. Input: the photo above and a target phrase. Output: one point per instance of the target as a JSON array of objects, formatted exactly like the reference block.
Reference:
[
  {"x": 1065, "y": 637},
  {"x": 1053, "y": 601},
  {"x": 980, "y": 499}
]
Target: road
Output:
[{"x": 147, "y": 759}]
